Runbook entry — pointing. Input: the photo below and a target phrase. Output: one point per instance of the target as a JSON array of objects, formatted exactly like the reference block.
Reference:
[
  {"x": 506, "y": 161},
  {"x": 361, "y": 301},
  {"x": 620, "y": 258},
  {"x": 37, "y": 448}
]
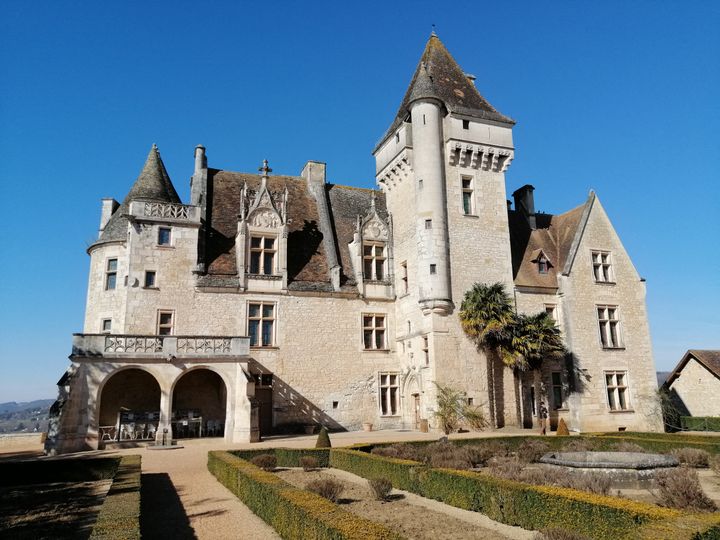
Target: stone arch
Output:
[
  {"x": 206, "y": 391},
  {"x": 131, "y": 387}
]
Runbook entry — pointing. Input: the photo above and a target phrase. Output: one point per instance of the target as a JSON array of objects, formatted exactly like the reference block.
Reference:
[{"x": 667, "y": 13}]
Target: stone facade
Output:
[{"x": 303, "y": 302}]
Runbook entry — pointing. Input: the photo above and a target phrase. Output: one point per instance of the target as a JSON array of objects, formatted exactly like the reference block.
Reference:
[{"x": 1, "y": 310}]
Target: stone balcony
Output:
[
  {"x": 160, "y": 347},
  {"x": 165, "y": 212}
]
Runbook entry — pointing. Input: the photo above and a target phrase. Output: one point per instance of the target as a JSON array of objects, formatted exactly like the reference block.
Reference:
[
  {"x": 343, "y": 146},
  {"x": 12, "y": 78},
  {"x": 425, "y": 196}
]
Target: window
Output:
[
  {"x": 404, "y": 288},
  {"x": 261, "y": 324},
  {"x": 426, "y": 350},
  {"x": 467, "y": 196},
  {"x": 397, "y": 137},
  {"x": 558, "y": 393},
  {"x": 433, "y": 269},
  {"x": 551, "y": 310},
  {"x": 165, "y": 323},
  {"x": 111, "y": 274},
  {"x": 617, "y": 390},
  {"x": 602, "y": 268},
  {"x": 389, "y": 394},
  {"x": 470, "y": 401},
  {"x": 106, "y": 326},
  {"x": 543, "y": 264},
  {"x": 149, "y": 279},
  {"x": 420, "y": 184},
  {"x": 164, "y": 236},
  {"x": 262, "y": 255},
  {"x": 428, "y": 223},
  {"x": 374, "y": 331},
  {"x": 609, "y": 327},
  {"x": 533, "y": 401},
  {"x": 374, "y": 261},
  {"x": 466, "y": 124}
]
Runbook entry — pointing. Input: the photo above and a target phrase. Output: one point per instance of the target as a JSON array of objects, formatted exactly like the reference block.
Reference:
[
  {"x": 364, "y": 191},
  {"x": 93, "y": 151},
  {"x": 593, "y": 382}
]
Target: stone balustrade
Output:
[
  {"x": 166, "y": 212},
  {"x": 165, "y": 347}
]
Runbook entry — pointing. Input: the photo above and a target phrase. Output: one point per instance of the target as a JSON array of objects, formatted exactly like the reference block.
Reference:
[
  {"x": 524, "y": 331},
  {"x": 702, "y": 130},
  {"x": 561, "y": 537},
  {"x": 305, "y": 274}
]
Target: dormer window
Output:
[
  {"x": 262, "y": 255},
  {"x": 542, "y": 264},
  {"x": 541, "y": 260},
  {"x": 374, "y": 260}
]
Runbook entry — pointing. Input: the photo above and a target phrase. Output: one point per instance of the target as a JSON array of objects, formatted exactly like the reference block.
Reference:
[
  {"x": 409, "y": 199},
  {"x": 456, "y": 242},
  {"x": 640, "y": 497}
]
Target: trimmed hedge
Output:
[
  {"x": 700, "y": 423},
  {"x": 288, "y": 457},
  {"x": 119, "y": 517},
  {"x": 528, "y": 506},
  {"x": 292, "y": 512}
]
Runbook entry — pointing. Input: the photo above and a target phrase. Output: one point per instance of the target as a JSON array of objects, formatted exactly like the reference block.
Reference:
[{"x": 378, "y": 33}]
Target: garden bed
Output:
[{"x": 410, "y": 515}]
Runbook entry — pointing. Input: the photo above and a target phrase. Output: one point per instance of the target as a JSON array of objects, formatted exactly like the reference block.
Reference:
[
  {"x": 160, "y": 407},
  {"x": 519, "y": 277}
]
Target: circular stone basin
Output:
[{"x": 634, "y": 470}]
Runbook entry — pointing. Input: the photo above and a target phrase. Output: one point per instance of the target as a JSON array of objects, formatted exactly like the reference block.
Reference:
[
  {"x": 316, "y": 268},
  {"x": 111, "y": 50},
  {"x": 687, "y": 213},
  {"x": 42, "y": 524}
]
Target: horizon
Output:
[{"x": 617, "y": 98}]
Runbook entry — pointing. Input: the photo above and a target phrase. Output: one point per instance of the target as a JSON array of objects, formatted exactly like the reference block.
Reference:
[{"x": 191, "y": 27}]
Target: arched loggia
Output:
[{"x": 199, "y": 404}]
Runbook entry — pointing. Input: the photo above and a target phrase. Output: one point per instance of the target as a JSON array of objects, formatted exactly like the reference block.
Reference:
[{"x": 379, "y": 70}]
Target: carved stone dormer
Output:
[
  {"x": 371, "y": 254},
  {"x": 261, "y": 241}
]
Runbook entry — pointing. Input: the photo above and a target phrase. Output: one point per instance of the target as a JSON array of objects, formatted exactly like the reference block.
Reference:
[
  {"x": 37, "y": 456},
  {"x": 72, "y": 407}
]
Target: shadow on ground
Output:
[{"x": 162, "y": 514}]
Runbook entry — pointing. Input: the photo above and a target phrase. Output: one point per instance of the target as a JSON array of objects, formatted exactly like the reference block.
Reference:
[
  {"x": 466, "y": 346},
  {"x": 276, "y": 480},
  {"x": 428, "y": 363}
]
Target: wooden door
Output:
[
  {"x": 416, "y": 409},
  {"x": 264, "y": 399}
]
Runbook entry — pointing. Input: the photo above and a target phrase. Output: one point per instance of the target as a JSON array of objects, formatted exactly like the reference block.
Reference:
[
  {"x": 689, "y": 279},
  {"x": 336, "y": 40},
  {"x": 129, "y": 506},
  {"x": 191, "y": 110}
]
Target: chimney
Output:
[
  {"x": 314, "y": 172},
  {"x": 200, "y": 159},
  {"x": 525, "y": 203},
  {"x": 108, "y": 209},
  {"x": 470, "y": 77}
]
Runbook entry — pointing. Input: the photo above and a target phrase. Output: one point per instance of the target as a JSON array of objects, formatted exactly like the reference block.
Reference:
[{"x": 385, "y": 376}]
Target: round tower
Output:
[{"x": 432, "y": 233}]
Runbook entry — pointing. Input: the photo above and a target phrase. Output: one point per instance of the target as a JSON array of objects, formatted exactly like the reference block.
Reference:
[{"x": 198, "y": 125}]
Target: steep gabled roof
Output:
[
  {"x": 439, "y": 76},
  {"x": 153, "y": 184},
  {"x": 710, "y": 359}
]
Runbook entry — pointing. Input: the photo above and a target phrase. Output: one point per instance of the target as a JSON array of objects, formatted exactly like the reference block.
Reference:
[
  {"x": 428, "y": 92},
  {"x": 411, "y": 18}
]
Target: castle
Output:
[{"x": 271, "y": 302}]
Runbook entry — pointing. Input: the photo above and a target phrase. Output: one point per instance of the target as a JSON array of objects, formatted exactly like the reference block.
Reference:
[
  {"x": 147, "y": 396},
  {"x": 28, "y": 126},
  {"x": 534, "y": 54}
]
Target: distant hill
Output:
[
  {"x": 662, "y": 376},
  {"x": 24, "y": 417}
]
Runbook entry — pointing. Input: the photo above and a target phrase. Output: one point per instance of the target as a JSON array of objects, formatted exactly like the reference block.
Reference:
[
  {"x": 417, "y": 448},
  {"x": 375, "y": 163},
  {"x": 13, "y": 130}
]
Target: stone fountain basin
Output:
[{"x": 632, "y": 470}]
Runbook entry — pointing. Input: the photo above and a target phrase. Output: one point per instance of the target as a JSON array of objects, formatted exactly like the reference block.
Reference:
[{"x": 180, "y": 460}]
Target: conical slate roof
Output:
[
  {"x": 153, "y": 184},
  {"x": 439, "y": 76}
]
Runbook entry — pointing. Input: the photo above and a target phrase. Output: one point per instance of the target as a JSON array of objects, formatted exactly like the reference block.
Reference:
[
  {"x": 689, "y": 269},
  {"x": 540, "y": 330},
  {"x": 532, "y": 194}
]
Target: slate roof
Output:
[
  {"x": 153, "y": 184},
  {"x": 307, "y": 260},
  {"x": 710, "y": 359},
  {"x": 439, "y": 76},
  {"x": 553, "y": 236}
]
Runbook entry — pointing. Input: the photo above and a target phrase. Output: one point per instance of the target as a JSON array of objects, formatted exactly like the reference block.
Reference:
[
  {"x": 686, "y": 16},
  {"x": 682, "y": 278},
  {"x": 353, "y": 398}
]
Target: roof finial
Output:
[
  {"x": 372, "y": 200},
  {"x": 265, "y": 169},
  {"x": 433, "y": 34}
]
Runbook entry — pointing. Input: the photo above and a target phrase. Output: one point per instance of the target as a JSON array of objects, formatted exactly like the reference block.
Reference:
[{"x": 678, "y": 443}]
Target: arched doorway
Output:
[
  {"x": 199, "y": 404},
  {"x": 129, "y": 406},
  {"x": 411, "y": 399}
]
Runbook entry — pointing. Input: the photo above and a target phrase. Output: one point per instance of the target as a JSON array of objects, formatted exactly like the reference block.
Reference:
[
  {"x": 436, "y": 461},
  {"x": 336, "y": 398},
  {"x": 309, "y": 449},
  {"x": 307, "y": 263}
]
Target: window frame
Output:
[
  {"x": 608, "y": 340},
  {"x": 601, "y": 266},
  {"x": 262, "y": 320},
  {"x": 470, "y": 192},
  {"x": 169, "y": 242},
  {"x": 104, "y": 330},
  {"x": 159, "y": 326},
  {"x": 373, "y": 259},
  {"x": 389, "y": 402},
  {"x": 617, "y": 390},
  {"x": 153, "y": 285},
  {"x": 261, "y": 252},
  {"x": 110, "y": 273},
  {"x": 373, "y": 329},
  {"x": 560, "y": 386}
]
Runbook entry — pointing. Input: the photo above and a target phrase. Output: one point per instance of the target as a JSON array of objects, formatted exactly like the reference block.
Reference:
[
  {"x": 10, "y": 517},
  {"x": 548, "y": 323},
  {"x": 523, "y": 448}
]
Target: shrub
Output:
[
  {"x": 594, "y": 483},
  {"x": 579, "y": 445},
  {"x": 308, "y": 463},
  {"x": 627, "y": 446},
  {"x": 692, "y": 457},
  {"x": 447, "y": 455},
  {"x": 326, "y": 487},
  {"x": 559, "y": 534},
  {"x": 323, "y": 440},
  {"x": 381, "y": 488},
  {"x": 714, "y": 463},
  {"x": 266, "y": 462},
  {"x": 680, "y": 488},
  {"x": 505, "y": 467},
  {"x": 531, "y": 450},
  {"x": 401, "y": 451},
  {"x": 562, "y": 429}
]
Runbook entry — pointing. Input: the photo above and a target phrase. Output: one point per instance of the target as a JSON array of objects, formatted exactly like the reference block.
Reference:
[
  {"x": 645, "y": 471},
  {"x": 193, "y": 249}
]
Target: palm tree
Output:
[
  {"x": 486, "y": 315},
  {"x": 533, "y": 339}
]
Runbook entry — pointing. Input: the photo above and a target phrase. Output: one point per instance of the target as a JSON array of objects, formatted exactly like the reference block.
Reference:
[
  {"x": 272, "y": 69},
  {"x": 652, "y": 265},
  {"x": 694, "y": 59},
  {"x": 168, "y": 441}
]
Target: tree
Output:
[
  {"x": 533, "y": 339},
  {"x": 453, "y": 410},
  {"x": 323, "y": 440}
]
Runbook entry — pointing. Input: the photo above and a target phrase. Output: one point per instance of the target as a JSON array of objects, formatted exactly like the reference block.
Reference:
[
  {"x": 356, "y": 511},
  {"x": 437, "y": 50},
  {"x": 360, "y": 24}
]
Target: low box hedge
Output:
[
  {"x": 292, "y": 512},
  {"x": 119, "y": 517},
  {"x": 700, "y": 423},
  {"x": 524, "y": 505},
  {"x": 288, "y": 457}
]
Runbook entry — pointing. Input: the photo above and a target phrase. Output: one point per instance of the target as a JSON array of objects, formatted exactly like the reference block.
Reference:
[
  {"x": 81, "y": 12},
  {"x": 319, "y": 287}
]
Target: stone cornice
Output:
[{"x": 479, "y": 156}]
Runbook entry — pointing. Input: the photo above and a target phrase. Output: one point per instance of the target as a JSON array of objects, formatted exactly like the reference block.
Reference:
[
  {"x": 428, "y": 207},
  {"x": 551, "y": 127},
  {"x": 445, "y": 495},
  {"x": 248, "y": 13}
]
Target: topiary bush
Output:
[
  {"x": 692, "y": 457},
  {"x": 308, "y": 463},
  {"x": 562, "y": 429},
  {"x": 323, "y": 440},
  {"x": 267, "y": 462},
  {"x": 381, "y": 488},
  {"x": 680, "y": 488},
  {"x": 328, "y": 488}
]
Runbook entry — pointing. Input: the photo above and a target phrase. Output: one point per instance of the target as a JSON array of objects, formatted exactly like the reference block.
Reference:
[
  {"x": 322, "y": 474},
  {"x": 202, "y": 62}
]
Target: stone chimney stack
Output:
[
  {"x": 314, "y": 172},
  {"x": 200, "y": 159},
  {"x": 108, "y": 209},
  {"x": 525, "y": 203}
]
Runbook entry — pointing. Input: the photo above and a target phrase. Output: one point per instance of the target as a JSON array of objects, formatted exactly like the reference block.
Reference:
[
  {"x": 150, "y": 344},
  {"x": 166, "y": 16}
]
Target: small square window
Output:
[
  {"x": 433, "y": 269},
  {"x": 397, "y": 137},
  {"x": 165, "y": 323},
  {"x": 164, "y": 236},
  {"x": 466, "y": 124},
  {"x": 106, "y": 326},
  {"x": 420, "y": 184},
  {"x": 428, "y": 223},
  {"x": 335, "y": 404},
  {"x": 149, "y": 279}
]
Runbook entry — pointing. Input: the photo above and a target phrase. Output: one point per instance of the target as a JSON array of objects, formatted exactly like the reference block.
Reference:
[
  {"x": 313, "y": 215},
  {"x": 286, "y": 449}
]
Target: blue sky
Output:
[{"x": 620, "y": 97}]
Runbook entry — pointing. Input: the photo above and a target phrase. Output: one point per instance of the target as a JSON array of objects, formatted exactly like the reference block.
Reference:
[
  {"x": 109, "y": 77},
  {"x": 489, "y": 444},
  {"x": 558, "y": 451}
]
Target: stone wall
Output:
[{"x": 699, "y": 389}]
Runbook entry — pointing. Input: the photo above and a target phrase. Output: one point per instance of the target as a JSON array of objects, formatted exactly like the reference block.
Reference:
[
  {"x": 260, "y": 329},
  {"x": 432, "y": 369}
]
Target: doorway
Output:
[{"x": 416, "y": 409}]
